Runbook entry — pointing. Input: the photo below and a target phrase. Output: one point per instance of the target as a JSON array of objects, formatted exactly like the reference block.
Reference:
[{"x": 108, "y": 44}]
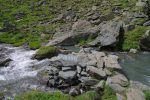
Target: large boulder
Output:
[
  {"x": 145, "y": 41},
  {"x": 80, "y": 30},
  {"x": 109, "y": 34},
  {"x": 118, "y": 79}
]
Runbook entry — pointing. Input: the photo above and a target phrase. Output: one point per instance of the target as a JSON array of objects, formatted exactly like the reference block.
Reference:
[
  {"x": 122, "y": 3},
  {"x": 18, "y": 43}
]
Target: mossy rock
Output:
[{"x": 46, "y": 52}]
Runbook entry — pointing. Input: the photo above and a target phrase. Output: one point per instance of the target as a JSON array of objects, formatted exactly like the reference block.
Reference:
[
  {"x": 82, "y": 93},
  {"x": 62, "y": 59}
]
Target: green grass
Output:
[
  {"x": 132, "y": 38},
  {"x": 147, "y": 94},
  {"x": 37, "y": 95},
  {"x": 109, "y": 94},
  {"x": 139, "y": 21},
  {"x": 83, "y": 42},
  {"x": 46, "y": 52}
]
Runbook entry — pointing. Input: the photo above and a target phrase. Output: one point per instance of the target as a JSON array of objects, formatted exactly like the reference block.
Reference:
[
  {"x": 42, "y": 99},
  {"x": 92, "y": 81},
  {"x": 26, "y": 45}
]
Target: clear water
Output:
[{"x": 137, "y": 66}]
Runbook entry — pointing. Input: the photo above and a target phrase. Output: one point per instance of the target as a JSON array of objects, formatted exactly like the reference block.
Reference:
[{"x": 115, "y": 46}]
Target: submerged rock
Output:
[{"x": 4, "y": 60}]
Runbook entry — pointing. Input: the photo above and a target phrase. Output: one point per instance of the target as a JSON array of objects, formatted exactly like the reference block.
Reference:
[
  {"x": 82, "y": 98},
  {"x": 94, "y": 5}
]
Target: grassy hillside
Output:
[{"x": 29, "y": 21}]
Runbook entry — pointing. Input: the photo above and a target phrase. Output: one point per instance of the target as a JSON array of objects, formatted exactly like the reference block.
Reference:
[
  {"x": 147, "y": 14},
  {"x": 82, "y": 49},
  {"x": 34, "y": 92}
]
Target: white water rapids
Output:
[{"x": 19, "y": 67}]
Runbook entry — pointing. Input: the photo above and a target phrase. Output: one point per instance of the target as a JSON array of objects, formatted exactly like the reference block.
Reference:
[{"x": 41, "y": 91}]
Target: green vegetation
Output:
[
  {"x": 85, "y": 41},
  {"x": 37, "y": 95},
  {"x": 1, "y": 96},
  {"x": 140, "y": 21},
  {"x": 46, "y": 52},
  {"x": 131, "y": 38},
  {"x": 147, "y": 94},
  {"x": 109, "y": 94}
]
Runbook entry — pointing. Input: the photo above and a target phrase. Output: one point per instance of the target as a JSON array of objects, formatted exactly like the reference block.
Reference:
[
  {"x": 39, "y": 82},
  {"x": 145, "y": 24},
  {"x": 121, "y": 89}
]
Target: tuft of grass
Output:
[
  {"x": 109, "y": 94},
  {"x": 83, "y": 42},
  {"x": 147, "y": 94},
  {"x": 46, "y": 52},
  {"x": 140, "y": 21},
  {"x": 90, "y": 95},
  {"x": 132, "y": 38},
  {"x": 37, "y": 95},
  {"x": 34, "y": 44}
]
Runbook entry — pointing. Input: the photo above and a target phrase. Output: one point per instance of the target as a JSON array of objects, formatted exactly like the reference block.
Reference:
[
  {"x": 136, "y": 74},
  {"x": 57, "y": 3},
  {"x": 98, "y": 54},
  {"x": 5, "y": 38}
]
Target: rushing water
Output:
[{"x": 19, "y": 76}]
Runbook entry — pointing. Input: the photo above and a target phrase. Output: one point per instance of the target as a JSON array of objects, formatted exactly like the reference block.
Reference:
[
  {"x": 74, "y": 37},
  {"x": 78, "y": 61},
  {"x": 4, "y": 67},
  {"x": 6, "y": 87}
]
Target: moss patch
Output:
[
  {"x": 109, "y": 94},
  {"x": 147, "y": 94},
  {"x": 46, "y": 52},
  {"x": 132, "y": 38}
]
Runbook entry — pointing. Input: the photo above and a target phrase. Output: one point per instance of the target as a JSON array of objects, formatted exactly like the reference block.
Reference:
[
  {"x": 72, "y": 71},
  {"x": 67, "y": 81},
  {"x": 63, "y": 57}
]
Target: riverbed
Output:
[{"x": 19, "y": 76}]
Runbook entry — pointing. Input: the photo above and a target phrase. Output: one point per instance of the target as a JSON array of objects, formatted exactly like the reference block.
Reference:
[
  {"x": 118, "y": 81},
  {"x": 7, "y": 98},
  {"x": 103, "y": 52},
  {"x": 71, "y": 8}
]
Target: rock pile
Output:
[{"x": 79, "y": 72}]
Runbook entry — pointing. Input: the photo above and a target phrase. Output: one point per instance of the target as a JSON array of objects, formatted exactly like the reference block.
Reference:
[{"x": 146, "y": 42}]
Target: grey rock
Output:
[
  {"x": 118, "y": 79},
  {"x": 68, "y": 69},
  {"x": 74, "y": 92},
  {"x": 128, "y": 27},
  {"x": 99, "y": 58},
  {"x": 4, "y": 60},
  {"x": 135, "y": 94},
  {"x": 51, "y": 83},
  {"x": 80, "y": 30},
  {"x": 88, "y": 81},
  {"x": 100, "y": 73},
  {"x": 145, "y": 41},
  {"x": 100, "y": 84},
  {"x": 108, "y": 73},
  {"x": 117, "y": 88},
  {"x": 111, "y": 61},
  {"x": 146, "y": 23},
  {"x": 79, "y": 69},
  {"x": 108, "y": 35},
  {"x": 67, "y": 75},
  {"x": 138, "y": 85}
]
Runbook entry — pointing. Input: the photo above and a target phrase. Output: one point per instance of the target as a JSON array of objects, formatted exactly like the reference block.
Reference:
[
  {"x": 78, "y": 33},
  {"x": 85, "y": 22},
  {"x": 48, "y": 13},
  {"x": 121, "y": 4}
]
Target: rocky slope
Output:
[{"x": 109, "y": 24}]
